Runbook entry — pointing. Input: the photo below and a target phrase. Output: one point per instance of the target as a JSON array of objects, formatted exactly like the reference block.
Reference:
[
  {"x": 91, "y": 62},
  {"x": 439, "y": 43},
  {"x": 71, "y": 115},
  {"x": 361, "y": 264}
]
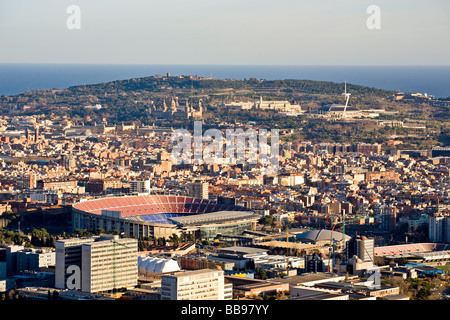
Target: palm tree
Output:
[{"x": 175, "y": 240}]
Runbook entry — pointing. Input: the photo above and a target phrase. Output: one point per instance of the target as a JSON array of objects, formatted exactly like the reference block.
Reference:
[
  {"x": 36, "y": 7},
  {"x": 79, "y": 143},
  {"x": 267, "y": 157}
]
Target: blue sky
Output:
[{"x": 261, "y": 32}]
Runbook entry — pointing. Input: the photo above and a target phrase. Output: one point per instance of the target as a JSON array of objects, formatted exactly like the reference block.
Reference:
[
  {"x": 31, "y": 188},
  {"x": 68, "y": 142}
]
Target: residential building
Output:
[
  {"x": 139, "y": 186},
  {"x": 439, "y": 228},
  {"x": 199, "y": 190}
]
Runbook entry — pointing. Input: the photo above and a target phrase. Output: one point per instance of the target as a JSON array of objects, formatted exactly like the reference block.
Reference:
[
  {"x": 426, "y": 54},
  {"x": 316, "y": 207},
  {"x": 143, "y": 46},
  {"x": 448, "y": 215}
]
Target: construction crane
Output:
[
  {"x": 343, "y": 224},
  {"x": 114, "y": 260},
  {"x": 333, "y": 241}
]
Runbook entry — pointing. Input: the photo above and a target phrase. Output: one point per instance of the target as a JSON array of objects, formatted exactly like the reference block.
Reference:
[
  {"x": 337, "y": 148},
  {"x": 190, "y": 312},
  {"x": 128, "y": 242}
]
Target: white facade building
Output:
[
  {"x": 96, "y": 264},
  {"x": 33, "y": 260},
  {"x": 68, "y": 254},
  {"x": 108, "y": 264},
  {"x": 205, "y": 284},
  {"x": 139, "y": 186}
]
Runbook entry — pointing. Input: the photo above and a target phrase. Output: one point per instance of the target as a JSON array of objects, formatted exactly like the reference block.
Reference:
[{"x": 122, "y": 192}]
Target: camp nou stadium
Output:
[{"x": 159, "y": 216}]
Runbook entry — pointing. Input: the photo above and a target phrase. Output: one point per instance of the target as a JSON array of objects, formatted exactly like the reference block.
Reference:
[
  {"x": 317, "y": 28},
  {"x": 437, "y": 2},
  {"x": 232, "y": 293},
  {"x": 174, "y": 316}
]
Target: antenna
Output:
[{"x": 347, "y": 97}]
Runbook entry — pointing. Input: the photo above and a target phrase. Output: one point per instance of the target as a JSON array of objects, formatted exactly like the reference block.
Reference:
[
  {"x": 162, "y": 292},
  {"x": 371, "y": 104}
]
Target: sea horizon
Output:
[{"x": 16, "y": 78}]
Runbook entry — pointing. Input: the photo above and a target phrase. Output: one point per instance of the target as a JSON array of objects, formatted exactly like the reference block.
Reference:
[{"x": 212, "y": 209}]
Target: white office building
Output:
[
  {"x": 34, "y": 260},
  {"x": 68, "y": 261},
  {"x": 96, "y": 264},
  {"x": 205, "y": 284},
  {"x": 109, "y": 264}
]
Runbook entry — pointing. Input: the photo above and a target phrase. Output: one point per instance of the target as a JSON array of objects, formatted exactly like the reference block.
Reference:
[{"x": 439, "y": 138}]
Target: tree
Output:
[
  {"x": 261, "y": 274},
  {"x": 266, "y": 220},
  {"x": 55, "y": 295},
  {"x": 175, "y": 240},
  {"x": 161, "y": 241},
  {"x": 99, "y": 231},
  {"x": 141, "y": 245},
  {"x": 424, "y": 292},
  {"x": 187, "y": 237}
]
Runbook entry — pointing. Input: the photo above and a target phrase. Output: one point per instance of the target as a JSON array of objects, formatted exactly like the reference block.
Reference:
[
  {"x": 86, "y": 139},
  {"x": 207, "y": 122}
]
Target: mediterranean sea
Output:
[{"x": 433, "y": 80}]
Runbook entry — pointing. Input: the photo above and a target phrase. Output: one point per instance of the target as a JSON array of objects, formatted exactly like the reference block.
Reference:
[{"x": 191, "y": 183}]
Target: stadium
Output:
[{"x": 159, "y": 216}]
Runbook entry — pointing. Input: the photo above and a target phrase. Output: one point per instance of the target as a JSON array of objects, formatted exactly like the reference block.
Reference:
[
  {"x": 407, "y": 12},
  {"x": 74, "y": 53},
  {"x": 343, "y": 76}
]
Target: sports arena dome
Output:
[
  {"x": 321, "y": 235},
  {"x": 162, "y": 216}
]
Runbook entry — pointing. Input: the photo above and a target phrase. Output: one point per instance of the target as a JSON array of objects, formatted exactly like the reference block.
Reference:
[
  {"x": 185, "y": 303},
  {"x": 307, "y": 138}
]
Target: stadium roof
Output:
[
  {"x": 219, "y": 216},
  {"x": 322, "y": 234},
  {"x": 337, "y": 108},
  {"x": 154, "y": 204},
  {"x": 411, "y": 248}
]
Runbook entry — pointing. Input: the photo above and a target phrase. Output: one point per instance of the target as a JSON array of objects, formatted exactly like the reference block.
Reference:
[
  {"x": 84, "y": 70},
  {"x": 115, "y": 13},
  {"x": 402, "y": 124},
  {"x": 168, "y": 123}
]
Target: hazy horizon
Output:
[{"x": 232, "y": 32}]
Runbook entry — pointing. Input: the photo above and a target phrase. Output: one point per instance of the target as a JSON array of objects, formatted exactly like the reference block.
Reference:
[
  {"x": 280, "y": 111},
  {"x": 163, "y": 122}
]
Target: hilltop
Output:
[{"x": 126, "y": 101}]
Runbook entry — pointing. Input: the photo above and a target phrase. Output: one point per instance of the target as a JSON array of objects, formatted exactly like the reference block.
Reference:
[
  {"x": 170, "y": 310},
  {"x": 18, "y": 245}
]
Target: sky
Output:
[{"x": 226, "y": 32}]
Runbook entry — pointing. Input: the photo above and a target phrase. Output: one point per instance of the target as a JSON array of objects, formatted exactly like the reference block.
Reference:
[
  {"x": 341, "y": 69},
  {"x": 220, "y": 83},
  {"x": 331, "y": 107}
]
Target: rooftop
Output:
[
  {"x": 311, "y": 278},
  {"x": 241, "y": 250},
  {"x": 219, "y": 216}
]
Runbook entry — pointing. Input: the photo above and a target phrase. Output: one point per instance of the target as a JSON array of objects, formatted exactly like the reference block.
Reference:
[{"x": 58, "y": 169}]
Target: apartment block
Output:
[
  {"x": 96, "y": 264},
  {"x": 68, "y": 254},
  {"x": 199, "y": 190}
]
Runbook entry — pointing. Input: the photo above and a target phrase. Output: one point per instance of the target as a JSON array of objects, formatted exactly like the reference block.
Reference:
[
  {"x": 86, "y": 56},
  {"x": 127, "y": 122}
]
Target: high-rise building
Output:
[
  {"x": 108, "y": 264},
  {"x": 96, "y": 264},
  {"x": 361, "y": 247},
  {"x": 388, "y": 217},
  {"x": 439, "y": 228},
  {"x": 29, "y": 181},
  {"x": 199, "y": 190},
  {"x": 68, "y": 161},
  {"x": 205, "y": 284},
  {"x": 139, "y": 186},
  {"x": 67, "y": 260},
  {"x": 11, "y": 259},
  {"x": 314, "y": 263},
  {"x": 36, "y": 134}
]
